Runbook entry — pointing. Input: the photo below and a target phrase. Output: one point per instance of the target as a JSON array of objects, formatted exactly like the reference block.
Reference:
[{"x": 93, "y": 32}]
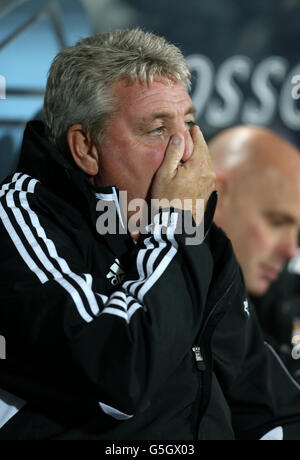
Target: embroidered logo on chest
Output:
[{"x": 116, "y": 273}]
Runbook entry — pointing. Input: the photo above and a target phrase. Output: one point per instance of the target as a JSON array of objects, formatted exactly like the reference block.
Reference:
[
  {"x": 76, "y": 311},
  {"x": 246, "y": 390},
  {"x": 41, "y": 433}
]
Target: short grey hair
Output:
[{"x": 79, "y": 83}]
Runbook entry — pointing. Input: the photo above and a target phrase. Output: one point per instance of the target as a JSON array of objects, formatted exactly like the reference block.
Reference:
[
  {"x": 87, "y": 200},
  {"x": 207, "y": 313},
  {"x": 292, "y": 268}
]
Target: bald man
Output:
[{"x": 258, "y": 180}]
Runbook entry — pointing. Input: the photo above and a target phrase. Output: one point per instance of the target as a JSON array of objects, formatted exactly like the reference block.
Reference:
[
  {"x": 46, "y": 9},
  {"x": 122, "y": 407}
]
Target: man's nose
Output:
[
  {"x": 289, "y": 246},
  {"x": 189, "y": 146}
]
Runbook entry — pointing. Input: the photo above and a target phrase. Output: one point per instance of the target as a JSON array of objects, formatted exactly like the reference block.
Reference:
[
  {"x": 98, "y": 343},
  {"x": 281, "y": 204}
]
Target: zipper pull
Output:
[{"x": 199, "y": 359}]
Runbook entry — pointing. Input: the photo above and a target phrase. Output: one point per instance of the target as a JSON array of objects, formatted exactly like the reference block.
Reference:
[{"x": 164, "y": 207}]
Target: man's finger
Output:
[
  {"x": 173, "y": 156},
  {"x": 200, "y": 147}
]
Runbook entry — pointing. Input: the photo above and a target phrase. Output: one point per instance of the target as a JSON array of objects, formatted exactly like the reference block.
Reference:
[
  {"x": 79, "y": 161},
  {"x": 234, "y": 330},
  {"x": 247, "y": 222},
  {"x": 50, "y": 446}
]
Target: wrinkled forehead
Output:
[{"x": 162, "y": 91}]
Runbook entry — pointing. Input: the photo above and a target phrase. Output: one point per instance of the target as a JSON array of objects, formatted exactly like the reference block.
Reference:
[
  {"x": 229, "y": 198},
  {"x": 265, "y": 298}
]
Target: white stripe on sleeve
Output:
[{"x": 38, "y": 250}]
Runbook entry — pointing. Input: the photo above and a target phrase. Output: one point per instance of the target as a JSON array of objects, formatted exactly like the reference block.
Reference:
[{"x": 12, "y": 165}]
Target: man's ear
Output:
[
  {"x": 222, "y": 185},
  {"x": 83, "y": 150}
]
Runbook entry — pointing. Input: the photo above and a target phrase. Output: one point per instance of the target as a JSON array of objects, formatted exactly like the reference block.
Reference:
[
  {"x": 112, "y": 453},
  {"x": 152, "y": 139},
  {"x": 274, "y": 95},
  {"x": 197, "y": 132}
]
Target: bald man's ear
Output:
[
  {"x": 222, "y": 185},
  {"x": 83, "y": 150}
]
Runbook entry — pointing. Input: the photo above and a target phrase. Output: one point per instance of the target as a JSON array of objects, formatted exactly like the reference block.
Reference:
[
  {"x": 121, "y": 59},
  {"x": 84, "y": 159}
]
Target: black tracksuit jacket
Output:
[{"x": 107, "y": 339}]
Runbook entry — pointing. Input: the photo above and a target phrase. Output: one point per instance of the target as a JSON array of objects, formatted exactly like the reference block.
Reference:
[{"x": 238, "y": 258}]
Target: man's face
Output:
[
  {"x": 136, "y": 138},
  {"x": 263, "y": 222}
]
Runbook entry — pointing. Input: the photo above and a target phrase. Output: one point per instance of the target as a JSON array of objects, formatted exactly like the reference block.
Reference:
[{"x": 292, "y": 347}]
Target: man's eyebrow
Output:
[
  {"x": 282, "y": 215},
  {"x": 166, "y": 115},
  {"x": 191, "y": 111}
]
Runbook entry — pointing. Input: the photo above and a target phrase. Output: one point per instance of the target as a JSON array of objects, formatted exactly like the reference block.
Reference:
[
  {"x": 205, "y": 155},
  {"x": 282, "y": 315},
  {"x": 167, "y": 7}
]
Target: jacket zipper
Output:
[
  {"x": 199, "y": 358},
  {"x": 200, "y": 362}
]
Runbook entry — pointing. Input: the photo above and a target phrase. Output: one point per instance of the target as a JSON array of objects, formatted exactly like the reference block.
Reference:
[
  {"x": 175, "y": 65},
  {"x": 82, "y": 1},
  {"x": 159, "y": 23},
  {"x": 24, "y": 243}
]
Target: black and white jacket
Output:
[{"x": 107, "y": 339}]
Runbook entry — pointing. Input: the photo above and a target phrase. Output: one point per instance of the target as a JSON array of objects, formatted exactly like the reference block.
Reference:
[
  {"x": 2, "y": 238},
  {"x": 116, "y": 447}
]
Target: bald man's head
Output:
[{"x": 258, "y": 179}]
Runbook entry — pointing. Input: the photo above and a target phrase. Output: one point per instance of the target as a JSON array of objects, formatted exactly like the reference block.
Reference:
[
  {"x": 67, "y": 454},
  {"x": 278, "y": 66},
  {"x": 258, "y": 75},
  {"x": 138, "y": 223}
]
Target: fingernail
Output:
[{"x": 176, "y": 140}]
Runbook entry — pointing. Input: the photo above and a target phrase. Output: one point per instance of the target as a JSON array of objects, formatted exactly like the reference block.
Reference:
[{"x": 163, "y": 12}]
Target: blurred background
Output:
[{"x": 244, "y": 57}]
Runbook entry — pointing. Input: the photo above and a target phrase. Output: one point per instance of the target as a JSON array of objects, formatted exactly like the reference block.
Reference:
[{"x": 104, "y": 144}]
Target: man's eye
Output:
[
  {"x": 158, "y": 131},
  {"x": 277, "y": 221},
  {"x": 190, "y": 124}
]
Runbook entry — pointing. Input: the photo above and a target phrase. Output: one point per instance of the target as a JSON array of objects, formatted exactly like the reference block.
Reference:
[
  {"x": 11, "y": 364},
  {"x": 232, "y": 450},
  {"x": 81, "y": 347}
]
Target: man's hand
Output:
[{"x": 192, "y": 180}]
